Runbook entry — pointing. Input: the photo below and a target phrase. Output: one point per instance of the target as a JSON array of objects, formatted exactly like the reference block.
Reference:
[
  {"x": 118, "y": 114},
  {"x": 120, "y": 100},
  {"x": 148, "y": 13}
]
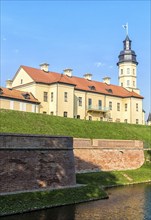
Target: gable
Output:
[{"x": 21, "y": 78}]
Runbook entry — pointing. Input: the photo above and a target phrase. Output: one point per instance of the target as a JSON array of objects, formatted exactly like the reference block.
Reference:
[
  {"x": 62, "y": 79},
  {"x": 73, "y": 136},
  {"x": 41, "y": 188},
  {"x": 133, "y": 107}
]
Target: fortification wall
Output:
[
  {"x": 29, "y": 162},
  {"x": 107, "y": 155}
]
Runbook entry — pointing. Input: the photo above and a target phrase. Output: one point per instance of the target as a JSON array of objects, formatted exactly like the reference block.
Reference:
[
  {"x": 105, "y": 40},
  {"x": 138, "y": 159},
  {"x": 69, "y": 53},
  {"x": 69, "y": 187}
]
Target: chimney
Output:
[
  {"x": 88, "y": 76},
  {"x": 44, "y": 67},
  {"x": 106, "y": 80},
  {"x": 68, "y": 72},
  {"x": 9, "y": 84}
]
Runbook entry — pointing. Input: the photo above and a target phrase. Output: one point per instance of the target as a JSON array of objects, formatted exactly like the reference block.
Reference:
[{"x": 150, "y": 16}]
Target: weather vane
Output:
[{"x": 125, "y": 26}]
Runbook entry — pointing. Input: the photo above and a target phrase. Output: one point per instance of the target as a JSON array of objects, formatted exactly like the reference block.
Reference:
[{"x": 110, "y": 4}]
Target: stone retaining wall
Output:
[
  {"x": 107, "y": 155},
  {"x": 29, "y": 162}
]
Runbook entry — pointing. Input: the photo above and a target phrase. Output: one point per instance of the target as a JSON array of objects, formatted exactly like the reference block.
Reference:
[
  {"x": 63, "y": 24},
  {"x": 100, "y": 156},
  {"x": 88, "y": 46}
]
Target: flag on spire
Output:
[{"x": 125, "y": 26}]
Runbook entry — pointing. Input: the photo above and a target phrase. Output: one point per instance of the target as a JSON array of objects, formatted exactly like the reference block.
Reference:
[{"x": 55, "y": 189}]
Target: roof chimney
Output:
[
  {"x": 44, "y": 67},
  {"x": 106, "y": 80},
  {"x": 68, "y": 72},
  {"x": 9, "y": 84},
  {"x": 88, "y": 76}
]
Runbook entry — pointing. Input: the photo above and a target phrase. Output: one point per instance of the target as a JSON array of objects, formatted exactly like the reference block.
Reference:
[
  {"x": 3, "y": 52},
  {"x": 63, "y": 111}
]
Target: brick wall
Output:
[
  {"x": 30, "y": 162},
  {"x": 107, "y": 155}
]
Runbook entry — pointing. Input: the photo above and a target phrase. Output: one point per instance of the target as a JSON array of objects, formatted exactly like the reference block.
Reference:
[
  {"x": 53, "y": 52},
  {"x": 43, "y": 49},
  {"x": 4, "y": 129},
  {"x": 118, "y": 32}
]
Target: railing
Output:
[{"x": 97, "y": 108}]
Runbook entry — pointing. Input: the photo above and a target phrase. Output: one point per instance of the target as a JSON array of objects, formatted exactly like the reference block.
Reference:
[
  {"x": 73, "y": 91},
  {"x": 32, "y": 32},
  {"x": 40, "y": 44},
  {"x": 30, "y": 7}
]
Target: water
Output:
[{"x": 124, "y": 203}]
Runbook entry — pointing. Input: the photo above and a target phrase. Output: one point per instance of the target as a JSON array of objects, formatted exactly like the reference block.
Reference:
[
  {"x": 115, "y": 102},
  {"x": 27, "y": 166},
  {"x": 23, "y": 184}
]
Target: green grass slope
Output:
[{"x": 31, "y": 123}]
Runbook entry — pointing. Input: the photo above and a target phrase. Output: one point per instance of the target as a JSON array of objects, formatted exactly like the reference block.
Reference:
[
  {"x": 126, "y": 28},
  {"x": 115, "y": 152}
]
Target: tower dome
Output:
[{"x": 127, "y": 55}]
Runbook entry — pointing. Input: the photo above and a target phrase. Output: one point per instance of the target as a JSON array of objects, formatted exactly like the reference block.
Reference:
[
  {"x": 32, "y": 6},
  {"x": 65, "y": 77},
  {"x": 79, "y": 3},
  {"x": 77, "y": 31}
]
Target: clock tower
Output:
[{"x": 127, "y": 65}]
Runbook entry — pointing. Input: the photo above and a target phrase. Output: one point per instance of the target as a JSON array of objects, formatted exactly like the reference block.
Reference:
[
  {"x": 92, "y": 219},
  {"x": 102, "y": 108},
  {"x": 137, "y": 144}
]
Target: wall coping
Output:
[{"x": 33, "y": 135}]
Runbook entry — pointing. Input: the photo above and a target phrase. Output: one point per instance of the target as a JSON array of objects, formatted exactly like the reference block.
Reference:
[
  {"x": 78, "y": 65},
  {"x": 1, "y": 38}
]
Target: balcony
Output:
[{"x": 91, "y": 108}]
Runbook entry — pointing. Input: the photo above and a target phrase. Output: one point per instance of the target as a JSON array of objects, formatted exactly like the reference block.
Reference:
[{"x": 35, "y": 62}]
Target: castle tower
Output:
[{"x": 127, "y": 65}]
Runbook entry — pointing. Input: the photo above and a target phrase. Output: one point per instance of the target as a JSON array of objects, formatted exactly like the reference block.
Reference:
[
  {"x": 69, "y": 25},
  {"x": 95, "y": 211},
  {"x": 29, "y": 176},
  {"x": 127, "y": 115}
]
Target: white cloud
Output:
[
  {"x": 99, "y": 64},
  {"x": 16, "y": 51}
]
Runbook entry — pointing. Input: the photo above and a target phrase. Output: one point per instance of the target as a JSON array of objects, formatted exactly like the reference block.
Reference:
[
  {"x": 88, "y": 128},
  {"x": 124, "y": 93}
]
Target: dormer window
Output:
[
  {"x": 1, "y": 91},
  {"x": 109, "y": 90},
  {"x": 26, "y": 95},
  {"x": 92, "y": 87}
]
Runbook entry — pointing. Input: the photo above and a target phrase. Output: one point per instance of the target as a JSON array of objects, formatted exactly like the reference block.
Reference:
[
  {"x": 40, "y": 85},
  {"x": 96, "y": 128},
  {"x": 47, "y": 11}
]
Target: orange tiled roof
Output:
[
  {"x": 16, "y": 94},
  {"x": 80, "y": 83}
]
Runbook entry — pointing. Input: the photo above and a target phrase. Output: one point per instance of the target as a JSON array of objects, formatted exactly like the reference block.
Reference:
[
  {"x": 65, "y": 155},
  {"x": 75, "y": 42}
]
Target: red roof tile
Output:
[
  {"x": 80, "y": 83},
  {"x": 16, "y": 94}
]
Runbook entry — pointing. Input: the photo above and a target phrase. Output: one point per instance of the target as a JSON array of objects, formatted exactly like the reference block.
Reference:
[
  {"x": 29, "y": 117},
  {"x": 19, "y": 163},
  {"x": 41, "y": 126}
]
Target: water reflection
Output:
[{"x": 125, "y": 203}]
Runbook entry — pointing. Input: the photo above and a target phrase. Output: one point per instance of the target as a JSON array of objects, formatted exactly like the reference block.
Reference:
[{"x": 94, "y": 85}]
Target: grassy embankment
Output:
[
  {"x": 19, "y": 122},
  {"x": 22, "y": 122}
]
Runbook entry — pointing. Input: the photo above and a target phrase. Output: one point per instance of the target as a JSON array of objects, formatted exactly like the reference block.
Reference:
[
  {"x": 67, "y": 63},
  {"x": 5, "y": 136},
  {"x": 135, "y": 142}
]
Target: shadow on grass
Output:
[
  {"x": 147, "y": 155},
  {"x": 90, "y": 174}
]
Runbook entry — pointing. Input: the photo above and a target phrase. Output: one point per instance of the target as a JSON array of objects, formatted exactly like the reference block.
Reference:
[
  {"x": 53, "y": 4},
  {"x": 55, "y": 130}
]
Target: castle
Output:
[{"x": 62, "y": 94}]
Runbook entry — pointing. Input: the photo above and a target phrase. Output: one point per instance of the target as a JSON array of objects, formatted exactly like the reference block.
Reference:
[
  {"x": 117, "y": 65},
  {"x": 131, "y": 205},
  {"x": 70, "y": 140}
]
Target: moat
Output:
[{"x": 124, "y": 203}]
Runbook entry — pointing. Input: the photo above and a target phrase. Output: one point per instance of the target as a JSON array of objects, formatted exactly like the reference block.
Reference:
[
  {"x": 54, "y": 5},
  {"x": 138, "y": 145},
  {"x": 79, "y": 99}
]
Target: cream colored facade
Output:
[
  {"x": 75, "y": 104},
  {"x": 18, "y": 105},
  {"x": 64, "y": 99}
]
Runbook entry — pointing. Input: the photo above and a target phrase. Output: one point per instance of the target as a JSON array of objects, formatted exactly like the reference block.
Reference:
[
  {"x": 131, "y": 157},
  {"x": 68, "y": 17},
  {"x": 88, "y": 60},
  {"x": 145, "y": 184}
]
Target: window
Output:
[
  {"x": 65, "y": 114},
  {"x": 109, "y": 90},
  {"x": 100, "y": 104},
  {"x": 90, "y": 118},
  {"x": 128, "y": 82},
  {"x": 133, "y": 83},
  {"x": 125, "y": 120},
  {"x": 33, "y": 108},
  {"x": 22, "y": 106},
  {"x": 137, "y": 107},
  {"x": 21, "y": 81},
  {"x": 118, "y": 106},
  {"x": 51, "y": 113},
  {"x": 1, "y": 91},
  {"x": 121, "y": 71},
  {"x": 90, "y": 102},
  {"x": 65, "y": 96},
  {"x": 45, "y": 96},
  {"x": 80, "y": 101},
  {"x": 26, "y": 95},
  {"x": 128, "y": 70},
  {"x": 110, "y": 105},
  {"x": 12, "y": 105},
  {"x": 78, "y": 116},
  {"x": 91, "y": 87},
  {"x": 101, "y": 118},
  {"x": 133, "y": 71},
  {"x": 117, "y": 120},
  {"x": 51, "y": 96},
  {"x": 126, "y": 107},
  {"x": 44, "y": 112},
  {"x": 137, "y": 121},
  {"x": 121, "y": 84}
]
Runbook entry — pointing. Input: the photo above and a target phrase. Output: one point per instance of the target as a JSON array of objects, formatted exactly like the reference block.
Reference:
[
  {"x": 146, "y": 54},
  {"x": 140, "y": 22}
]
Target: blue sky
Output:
[{"x": 86, "y": 36}]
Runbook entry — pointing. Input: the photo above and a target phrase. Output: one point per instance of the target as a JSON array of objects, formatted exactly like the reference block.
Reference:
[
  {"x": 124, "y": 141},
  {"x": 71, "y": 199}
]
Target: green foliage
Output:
[
  {"x": 116, "y": 178},
  {"x": 31, "y": 123},
  {"x": 18, "y": 203},
  {"x": 147, "y": 153}
]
